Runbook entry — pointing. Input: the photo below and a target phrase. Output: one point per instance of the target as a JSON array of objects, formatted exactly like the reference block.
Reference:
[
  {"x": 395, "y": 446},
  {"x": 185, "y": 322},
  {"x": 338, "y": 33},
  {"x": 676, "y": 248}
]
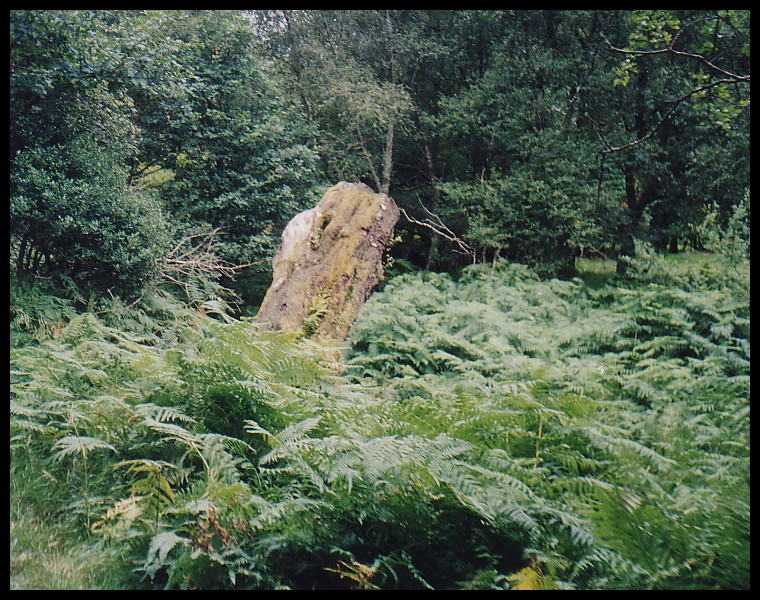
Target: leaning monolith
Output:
[{"x": 329, "y": 262}]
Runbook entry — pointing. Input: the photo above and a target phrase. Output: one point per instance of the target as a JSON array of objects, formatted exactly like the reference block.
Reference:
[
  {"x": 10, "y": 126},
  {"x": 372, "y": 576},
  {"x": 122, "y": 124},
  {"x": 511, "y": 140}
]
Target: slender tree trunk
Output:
[
  {"x": 37, "y": 261},
  {"x": 21, "y": 256},
  {"x": 627, "y": 247},
  {"x": 367, "y": 155},
  {"x": 435, "y": 241},
  {"x": 634, "y": 207},
  {"x": 385, "y": 184}
]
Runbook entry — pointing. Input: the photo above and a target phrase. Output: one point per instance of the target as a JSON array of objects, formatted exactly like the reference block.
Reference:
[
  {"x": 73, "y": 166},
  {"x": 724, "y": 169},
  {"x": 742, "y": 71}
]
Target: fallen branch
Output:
[
  {"x": 194, "y": 260},
  {"x": 437, "y": 226}
]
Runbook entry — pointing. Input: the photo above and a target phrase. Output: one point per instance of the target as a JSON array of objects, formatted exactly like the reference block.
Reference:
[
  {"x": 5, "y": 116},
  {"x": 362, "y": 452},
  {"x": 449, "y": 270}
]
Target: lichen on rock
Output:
[{"x": 329, "y": 262}]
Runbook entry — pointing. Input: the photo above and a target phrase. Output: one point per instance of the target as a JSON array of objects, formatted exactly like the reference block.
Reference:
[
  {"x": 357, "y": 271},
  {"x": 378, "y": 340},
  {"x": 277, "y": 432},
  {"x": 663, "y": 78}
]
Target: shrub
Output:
[{"x": 72, "y": 212}]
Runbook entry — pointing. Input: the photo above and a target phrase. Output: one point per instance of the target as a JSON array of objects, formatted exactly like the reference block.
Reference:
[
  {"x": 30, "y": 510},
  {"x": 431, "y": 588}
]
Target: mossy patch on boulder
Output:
[{"x": 329, "y": 262}]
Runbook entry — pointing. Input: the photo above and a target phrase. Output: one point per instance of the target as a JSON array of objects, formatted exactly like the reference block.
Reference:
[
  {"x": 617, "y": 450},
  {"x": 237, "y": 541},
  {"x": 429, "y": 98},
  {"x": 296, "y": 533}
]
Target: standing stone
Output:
[{"x": 329, "y": 262}]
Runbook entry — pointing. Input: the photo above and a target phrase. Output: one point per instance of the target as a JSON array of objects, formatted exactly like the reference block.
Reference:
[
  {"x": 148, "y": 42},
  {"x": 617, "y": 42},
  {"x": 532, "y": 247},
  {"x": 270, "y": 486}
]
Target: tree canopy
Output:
[{"x": 538, "y": 136}]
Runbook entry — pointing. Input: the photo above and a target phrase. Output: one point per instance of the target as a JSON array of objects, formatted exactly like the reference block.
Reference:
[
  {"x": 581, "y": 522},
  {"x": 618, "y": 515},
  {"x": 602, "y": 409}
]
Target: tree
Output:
[
  {"x": 645, "y": 115},
  {"x": 171, "y": 108},
  {"x": 71, "y": 213},
  {"x": 372, "y": 80},
  {"x": 529, "y": 184},
  {"x": 235, "y": 158},
  {"x": 683, "y": 81},
  {"x": 343, "y": 66}
]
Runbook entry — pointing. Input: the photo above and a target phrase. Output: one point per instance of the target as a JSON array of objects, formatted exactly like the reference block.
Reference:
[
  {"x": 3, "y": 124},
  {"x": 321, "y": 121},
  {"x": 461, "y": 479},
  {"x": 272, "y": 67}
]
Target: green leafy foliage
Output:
[
  {"x": 484, "y": 435},
  {"x": 239, "y": 160},
  {"x": 596, "y": 405},
  {"x": 87, "y": 226},
  {"x": 127, "y": 117},
  {"x": 71, "y": 214},
  {"x": 484, "y": 429}
]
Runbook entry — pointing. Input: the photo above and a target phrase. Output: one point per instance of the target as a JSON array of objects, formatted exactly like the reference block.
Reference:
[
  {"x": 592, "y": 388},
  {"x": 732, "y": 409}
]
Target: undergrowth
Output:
[
  {"x": 624, "y": 410},
  {"x": 492, "y": 432}
]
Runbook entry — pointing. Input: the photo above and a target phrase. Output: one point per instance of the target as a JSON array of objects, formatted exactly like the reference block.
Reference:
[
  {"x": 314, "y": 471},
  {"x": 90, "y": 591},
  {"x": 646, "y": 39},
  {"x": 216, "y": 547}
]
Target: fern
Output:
[
  {"x": 658, "y": 348},
  {"x": 160, "y": 547},
  {"x": 486, "y": 431},
  {"x": 77, "y": 445}
]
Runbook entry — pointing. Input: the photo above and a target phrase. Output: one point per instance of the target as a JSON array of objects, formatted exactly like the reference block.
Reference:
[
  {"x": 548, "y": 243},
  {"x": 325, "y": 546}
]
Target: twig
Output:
[
  {"x": 194, "y": 258},
  {"x": 434, "y": 223}
]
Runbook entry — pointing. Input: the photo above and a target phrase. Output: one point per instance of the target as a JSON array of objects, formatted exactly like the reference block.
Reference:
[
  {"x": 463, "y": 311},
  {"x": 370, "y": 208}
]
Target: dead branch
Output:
[
  {"x": 434, "y": 223},
  {"x": 195, "y": 259}
]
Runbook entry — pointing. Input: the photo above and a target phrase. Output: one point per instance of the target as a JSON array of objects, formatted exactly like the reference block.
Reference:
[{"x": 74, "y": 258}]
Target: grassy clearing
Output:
[
  {"x": 47, "y": 552},
  {"x": 44, "y": 556},
  {"x": 596, "y": 272}
]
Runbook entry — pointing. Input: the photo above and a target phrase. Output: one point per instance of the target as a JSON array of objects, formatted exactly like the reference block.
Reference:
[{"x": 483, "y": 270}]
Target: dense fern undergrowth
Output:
[{"x": 495, "y": 431}]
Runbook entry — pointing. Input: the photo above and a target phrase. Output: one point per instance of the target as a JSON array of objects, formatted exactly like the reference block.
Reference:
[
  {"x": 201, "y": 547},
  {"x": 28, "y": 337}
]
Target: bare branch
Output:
[
  {"x": 675, "y": 103},
  {"x": 728, "y": 78},
  {"x": 671, "y": 50},
  {"x": 194, "y": 259},
  {"x": 433, "y": 223}
]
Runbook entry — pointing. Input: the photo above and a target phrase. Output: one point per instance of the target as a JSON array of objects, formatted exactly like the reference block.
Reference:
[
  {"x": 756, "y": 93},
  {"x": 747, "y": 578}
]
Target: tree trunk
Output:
[
  {"x": 385, "y": 184},
  {"x": 21, "y": 256},
  {"x": 674, "y": 244},
  {"x": 435, "y": 241},
  {"x": 627, "y": 247},
  {"x": 636, "y": 203}
]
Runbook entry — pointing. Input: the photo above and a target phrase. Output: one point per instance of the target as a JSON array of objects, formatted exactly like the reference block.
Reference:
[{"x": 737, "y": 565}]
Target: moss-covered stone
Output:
[{"x": 329, "y": 262}]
